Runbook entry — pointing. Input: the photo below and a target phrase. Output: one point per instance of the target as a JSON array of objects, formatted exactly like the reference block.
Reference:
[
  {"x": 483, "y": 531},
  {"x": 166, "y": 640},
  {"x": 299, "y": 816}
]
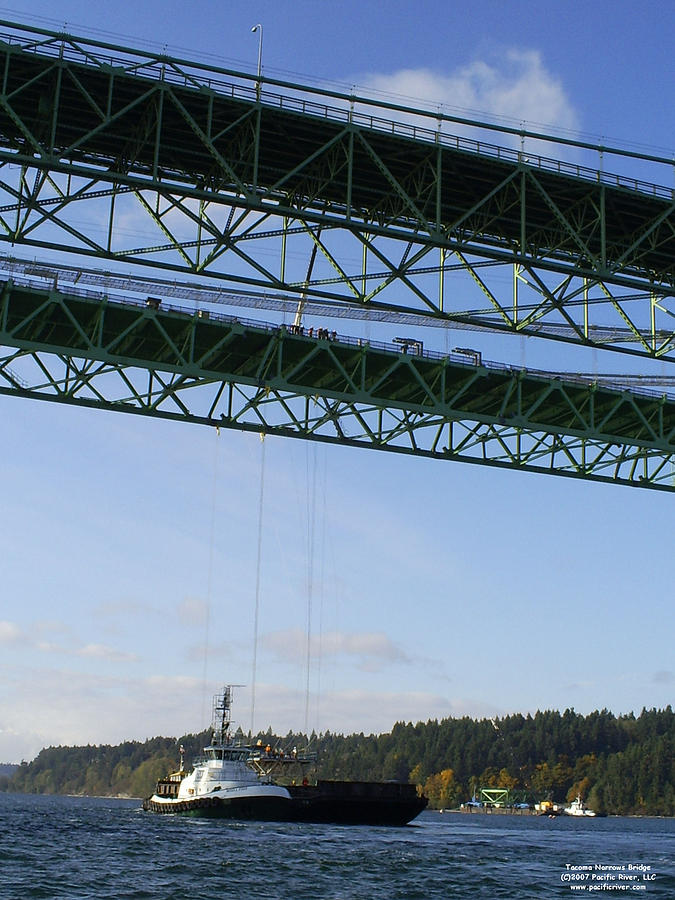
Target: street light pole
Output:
[{"x": 259, "y": 29}]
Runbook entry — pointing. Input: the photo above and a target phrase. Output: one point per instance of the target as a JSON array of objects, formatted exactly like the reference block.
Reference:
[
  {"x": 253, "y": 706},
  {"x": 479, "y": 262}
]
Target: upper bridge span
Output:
[{"x": 143, "y": 120}]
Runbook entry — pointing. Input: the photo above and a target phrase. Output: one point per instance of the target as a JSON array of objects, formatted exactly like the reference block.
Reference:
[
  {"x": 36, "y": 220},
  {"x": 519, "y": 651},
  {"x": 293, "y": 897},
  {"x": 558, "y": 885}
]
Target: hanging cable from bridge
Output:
[
  {"x": 209, "y": 577},
  {"x": 311, "y": 522},
  {"x": 256, "y": 615}
]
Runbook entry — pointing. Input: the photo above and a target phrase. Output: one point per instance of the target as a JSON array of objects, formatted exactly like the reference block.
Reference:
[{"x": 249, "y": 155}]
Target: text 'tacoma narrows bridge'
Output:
[{"x": 221, "y": 190}]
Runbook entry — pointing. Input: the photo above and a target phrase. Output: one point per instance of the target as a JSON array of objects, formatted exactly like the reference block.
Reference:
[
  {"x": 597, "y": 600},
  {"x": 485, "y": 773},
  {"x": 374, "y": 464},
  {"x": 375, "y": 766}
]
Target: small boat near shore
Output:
[
  {"x": 578, "y": 808},
  {"x": 238, "y": 781}
]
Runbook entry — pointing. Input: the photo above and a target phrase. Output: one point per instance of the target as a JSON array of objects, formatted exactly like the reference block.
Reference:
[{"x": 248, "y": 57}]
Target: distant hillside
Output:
[
  {"x": 621, "y": 765},
  {"x": 8, "y": 769}
]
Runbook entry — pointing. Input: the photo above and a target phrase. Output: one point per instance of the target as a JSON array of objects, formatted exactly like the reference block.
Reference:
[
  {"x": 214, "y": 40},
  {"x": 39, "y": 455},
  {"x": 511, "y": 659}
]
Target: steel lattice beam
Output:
[
  {"x": 129, "y": 157},
  {"x": 223, "y": 372},
  {"x": 241, "y": 184}
]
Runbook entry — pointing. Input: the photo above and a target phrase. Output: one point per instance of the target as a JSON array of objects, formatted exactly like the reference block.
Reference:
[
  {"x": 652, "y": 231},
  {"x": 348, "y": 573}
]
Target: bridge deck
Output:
[
  {"x": 87, "y": 126},
  {"x": 136, "y": 126},
  {"x": 271, "y": 358}
]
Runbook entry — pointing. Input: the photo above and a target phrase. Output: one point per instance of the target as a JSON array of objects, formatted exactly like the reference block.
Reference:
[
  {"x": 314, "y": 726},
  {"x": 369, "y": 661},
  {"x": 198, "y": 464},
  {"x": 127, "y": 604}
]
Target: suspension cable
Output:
[{"x": 257, "y": 582}]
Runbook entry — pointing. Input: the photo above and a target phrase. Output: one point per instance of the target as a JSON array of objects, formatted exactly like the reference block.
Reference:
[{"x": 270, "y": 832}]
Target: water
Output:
[{"x": 68, "y": 847}]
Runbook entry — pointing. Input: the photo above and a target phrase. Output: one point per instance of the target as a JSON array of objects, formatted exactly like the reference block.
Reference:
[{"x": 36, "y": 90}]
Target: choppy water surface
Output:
[{"x": 66, "y": 847}]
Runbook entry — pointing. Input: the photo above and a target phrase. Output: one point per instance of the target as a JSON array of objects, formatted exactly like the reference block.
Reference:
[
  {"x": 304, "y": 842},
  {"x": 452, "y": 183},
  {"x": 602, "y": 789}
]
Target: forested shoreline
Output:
[{"x": 621, "y": 765}]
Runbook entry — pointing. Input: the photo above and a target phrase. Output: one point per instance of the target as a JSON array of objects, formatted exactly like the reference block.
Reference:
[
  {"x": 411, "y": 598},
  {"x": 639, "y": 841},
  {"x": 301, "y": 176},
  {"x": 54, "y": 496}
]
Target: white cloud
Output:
[
  {"x": 514, "y": 89},
  {"x": 16, "y": 746},
  {"x": 517, "y": 87},
  {"x": 126, "y": 609},
  {"x": 70, "y": 706},
  {"x": 172, "y": 683},
  {"x": 101, "y": 651},
  {"x": 356, "y": 710},
  {"x": 216, "y": 650},
  {"x": 370, "y": 649},
  {"x": 378, "y": 711},
  {"x": 38, "y": 636},
  {"x": 9, "y": 633},
  {"x": 48, "y": 647},
  {"x": 193, "y": 611}
]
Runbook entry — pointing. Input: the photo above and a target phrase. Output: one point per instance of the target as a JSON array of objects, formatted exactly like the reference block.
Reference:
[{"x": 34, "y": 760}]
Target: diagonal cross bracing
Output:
[
  {"x": 225, "y": 372},
  {"x": 151, "y": 126}
]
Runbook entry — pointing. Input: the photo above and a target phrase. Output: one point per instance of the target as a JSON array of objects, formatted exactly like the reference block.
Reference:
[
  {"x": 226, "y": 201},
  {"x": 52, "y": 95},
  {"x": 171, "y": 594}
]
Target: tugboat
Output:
[
  {"x": 236, "y": 781},
  {"x": 578, "y": 808}
]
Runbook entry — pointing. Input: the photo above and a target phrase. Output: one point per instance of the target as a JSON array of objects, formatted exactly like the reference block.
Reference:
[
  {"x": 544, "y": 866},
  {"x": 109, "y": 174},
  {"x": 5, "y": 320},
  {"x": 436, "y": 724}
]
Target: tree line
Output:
[{"x": 621, "y": 765}]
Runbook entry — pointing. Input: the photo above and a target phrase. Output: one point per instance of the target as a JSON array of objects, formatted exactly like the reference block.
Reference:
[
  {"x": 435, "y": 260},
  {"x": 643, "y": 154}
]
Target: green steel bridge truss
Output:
[
  {"x": 206, "y": 171},
  {"x": 127, "y": 157},
  {"x": 217, "y": 370}
]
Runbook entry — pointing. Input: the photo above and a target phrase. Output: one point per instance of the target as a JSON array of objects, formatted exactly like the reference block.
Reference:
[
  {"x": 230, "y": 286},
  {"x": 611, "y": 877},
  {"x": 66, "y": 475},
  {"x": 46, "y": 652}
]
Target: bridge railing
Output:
[
  {"x": 468, "y": 358},
  {"x": 242, "y": 86}
]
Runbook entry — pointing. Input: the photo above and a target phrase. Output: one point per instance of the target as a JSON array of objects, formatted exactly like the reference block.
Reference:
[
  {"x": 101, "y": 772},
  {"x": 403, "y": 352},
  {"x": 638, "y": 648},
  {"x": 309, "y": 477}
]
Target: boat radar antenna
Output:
[{"x": 222, "y": 715}]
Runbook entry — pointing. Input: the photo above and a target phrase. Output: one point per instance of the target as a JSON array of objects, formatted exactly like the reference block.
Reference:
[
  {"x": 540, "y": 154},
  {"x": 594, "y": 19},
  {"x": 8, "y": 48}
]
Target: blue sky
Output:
[{"x": 438, "y": 589}]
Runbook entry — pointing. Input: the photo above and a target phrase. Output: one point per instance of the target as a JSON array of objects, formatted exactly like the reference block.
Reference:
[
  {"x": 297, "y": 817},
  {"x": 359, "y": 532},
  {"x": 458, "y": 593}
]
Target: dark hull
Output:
[
  {"x": 356, "y": 803},
  {"x": 328, "y": 802},
  {"x": 257, "y": 809}
]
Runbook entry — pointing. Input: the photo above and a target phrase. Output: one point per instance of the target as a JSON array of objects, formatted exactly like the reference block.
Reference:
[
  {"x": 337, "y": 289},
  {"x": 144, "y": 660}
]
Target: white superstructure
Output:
[
  {"x": 222, "y": 773},
  {"x": 577, "y": 808}
]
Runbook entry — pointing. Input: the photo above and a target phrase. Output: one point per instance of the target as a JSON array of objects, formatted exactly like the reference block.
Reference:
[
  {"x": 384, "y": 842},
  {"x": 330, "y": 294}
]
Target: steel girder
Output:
[
  {"x": 224, "y": 372},
  {"x": 243, "y": 185}
]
